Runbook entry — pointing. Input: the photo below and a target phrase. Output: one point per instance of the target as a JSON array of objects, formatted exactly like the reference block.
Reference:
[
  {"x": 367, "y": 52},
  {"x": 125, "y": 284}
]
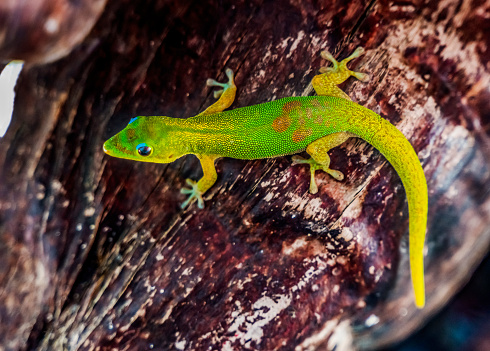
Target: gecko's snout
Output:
[
  {"x": 113, "y": 147},
  {"x": 108, "y": 147},
  {"x": 105, "y": 147}
]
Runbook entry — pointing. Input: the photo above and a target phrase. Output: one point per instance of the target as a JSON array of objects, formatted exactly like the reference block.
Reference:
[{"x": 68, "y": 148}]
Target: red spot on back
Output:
[
  {"x": 283, "y": 121},
  {"x": 321, "y": 108},
  {"x": 301, "y": 134}
]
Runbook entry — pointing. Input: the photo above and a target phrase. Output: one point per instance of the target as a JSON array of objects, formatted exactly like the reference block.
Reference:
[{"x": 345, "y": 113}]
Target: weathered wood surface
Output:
[
  {"x": 95, "y": 252},
  {"x": 41, "y": 31}
]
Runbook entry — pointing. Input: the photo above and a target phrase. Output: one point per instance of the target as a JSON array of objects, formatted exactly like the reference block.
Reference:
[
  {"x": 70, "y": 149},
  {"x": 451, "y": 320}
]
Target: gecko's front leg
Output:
[
  {"x": 200, "y": 187},
  {"x": 225, "y": 97}
]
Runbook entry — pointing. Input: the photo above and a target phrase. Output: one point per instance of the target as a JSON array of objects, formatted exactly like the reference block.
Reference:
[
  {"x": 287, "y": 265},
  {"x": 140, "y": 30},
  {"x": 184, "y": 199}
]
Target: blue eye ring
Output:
[{"x": 144, "y": 149}]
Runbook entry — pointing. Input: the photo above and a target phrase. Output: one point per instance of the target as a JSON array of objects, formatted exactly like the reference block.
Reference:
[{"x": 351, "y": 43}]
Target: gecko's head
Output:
[{"x": 145, "y": 138}]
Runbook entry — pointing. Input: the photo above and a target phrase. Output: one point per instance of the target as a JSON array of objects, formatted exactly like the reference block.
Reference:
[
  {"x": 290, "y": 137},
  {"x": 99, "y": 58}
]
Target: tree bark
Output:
[{"x": 97, "y": 254}]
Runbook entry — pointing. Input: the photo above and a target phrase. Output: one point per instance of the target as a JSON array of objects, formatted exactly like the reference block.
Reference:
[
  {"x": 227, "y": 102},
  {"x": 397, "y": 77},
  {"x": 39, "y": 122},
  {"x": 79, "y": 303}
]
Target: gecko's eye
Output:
[{"x": 144, "y": 149}]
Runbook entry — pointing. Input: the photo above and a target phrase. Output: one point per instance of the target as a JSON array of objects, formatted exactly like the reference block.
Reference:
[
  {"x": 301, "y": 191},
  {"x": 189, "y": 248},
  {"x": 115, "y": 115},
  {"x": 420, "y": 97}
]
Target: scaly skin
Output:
[{"x": 283, "y": 127}]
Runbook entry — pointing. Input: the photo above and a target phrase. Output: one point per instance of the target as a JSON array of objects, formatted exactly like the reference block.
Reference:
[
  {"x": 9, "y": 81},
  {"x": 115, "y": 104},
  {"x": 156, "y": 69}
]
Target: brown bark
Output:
[
  {"x": 40, "y": 31},
  {"x": 97, "y": 253}
]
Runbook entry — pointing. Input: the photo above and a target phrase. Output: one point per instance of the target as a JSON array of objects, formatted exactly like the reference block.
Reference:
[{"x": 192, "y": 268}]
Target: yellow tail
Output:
[{"x": 400, "y": 153}]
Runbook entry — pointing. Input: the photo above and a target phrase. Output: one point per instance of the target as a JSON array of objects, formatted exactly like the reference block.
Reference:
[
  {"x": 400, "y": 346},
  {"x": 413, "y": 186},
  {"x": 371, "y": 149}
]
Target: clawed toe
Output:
[
  {"x": 314, "y": 166},
  {"x": 299, "y": 160},
  {"x": 217, "y": 94},
  {"x": 335, "y": 174},
  {"x": 341, "y": 67},
  {"x": 225, "y": 86},
  {"x": 194, "y": 194},
  {"x": 363, "y": 77}
]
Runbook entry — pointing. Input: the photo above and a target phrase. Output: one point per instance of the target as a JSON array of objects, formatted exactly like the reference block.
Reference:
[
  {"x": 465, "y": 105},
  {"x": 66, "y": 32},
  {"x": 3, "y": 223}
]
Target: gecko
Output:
[{"x": 283, "y": 127}]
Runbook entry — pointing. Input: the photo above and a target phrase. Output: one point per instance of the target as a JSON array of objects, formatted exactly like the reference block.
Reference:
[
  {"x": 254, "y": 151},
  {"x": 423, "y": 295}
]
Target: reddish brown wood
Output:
[
  {"x": 40, "y": 31},
  {"x": 96, "y": 252}
]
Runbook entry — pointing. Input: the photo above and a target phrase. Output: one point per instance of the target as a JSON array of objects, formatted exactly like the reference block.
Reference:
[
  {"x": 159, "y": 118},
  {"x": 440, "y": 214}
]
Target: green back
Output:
[{"x": 280, "y": 127}]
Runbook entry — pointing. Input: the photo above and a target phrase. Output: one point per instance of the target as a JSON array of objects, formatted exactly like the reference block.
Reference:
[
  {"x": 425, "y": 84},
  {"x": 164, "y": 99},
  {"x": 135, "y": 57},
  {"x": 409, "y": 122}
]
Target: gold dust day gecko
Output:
[{"x": 283, "y": 127}]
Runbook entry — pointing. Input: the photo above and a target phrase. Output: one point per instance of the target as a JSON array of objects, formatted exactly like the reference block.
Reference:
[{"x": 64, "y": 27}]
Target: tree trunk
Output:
[{"x": 96, "y": 252}]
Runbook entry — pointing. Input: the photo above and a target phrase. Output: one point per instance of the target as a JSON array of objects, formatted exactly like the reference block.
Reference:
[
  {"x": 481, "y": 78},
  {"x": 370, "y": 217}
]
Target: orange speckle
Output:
[
  {"x": 300, "y": 134},
  {"x": 290, "y": 106},
  {"x": 319, "y": 105},
  {"x": 283, "y": 121},
  {"x": 308, "y": 112}
]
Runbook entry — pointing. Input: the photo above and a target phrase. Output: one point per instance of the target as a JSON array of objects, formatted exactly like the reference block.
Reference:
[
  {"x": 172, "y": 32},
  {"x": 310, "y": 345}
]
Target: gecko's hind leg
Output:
[
  {"x": 319, "y": 157},
  {"x": 225, "y": 95},
  {"x": 326, "y": 83}
]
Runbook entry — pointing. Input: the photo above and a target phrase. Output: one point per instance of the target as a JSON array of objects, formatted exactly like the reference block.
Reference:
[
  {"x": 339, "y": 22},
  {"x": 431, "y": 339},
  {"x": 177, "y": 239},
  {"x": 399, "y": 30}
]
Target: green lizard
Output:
[{"x": 283, "y": 127}]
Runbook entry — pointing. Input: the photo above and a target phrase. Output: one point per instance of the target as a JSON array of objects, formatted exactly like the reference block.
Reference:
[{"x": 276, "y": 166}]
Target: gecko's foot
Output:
[
  {"x": 225, "y": 86},
  {"x": 194, "y": 194},
  {"x": 314, "y": 166},
  {"x": 341, "y": 67}
]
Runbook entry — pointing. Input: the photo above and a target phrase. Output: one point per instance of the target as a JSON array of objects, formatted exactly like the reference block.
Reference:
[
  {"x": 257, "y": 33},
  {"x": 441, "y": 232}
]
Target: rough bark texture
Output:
[{"x": 96, "y": 253}]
